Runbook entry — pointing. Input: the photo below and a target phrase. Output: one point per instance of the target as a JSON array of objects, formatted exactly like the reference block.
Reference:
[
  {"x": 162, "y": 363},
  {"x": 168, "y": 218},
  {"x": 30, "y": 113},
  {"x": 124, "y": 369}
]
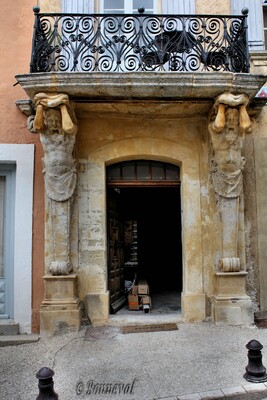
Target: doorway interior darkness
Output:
[{"x": 156, "y": 211}]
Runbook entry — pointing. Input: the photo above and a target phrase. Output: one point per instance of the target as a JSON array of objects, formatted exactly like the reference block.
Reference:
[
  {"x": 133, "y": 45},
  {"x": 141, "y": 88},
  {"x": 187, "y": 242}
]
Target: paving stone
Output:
[
  {"x": 170, "y": 398},
  {"x": 255, "y": 387},
  {"x": 233, "y": 390},
  {"x": 211, "y": 394},
  {"x": 192, "y": 396}
]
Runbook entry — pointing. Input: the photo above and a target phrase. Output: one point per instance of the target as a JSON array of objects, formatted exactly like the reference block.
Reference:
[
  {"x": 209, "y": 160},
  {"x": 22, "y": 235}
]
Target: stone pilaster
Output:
[
  {"x": 55, "y": 121},
  {"x": 229, "y": 122}
]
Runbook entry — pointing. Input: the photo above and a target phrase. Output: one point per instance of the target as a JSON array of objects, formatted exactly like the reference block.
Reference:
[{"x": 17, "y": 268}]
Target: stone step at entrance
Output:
[
  {"x": 8, "y": 327},
  {"x": 9, "y": 334},
  {"x": 13, "y": 340}
]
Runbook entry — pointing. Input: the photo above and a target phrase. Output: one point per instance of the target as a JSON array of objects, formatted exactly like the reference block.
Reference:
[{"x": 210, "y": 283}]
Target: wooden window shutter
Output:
[
  {"x": 178, "y": 6},
  {"x": 78, "y": 6},
  {"x": 255, "y": 23}
]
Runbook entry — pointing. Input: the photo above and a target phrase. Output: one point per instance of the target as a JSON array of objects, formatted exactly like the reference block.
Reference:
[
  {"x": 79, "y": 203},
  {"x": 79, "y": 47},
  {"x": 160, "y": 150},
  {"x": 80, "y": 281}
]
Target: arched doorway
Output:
[{"x": 144, "y": 230}]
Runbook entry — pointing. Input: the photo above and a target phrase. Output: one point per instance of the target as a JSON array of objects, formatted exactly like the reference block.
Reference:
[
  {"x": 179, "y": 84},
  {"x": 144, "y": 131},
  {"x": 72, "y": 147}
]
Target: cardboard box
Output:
[
  {"x": 146, "y": 303},
  {"x": 143, "y": 287},
  {"x": 134, "y": 289},
  {"x": 133, "y": 302},
  {"x": 145, "y": 300}
]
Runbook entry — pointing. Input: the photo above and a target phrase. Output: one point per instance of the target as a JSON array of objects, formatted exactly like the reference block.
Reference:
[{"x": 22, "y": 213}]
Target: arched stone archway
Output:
[{"x": 93, "y": 252}]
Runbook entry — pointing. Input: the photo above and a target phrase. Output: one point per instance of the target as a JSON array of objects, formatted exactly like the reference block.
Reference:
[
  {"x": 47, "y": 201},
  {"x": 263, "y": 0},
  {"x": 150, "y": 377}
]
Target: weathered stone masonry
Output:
[{"x": 193, "y": 134}]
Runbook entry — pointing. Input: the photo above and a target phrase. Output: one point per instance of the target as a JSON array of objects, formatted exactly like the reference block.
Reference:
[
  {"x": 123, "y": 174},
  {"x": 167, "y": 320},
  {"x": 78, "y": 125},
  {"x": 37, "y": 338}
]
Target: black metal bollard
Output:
[
  {"x": 255, "y": 371},
  {"x": 46, "y": 384}
]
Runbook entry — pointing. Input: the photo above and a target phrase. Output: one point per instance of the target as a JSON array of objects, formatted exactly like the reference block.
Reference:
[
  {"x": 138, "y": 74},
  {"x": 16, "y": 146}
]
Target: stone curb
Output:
[
  {"x": 224, "y": 393},
  {"x": 11, "y": 340}
]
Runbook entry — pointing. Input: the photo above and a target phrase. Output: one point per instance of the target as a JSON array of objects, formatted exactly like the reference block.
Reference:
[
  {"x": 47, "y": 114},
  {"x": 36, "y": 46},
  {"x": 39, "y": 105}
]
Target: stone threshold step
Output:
[
  {"x": 11, "y": 340},
  {"x": 8, "y": 327}
]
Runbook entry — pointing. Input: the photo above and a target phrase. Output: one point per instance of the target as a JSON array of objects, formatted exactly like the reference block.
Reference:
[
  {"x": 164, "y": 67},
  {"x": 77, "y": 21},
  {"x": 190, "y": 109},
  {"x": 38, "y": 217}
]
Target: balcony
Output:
[
  {"x": 141, "y": 42},
  {"x": 139, "y": 57}
]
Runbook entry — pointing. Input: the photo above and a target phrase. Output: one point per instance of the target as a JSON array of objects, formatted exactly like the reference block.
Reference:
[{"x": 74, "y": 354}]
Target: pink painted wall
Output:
[{"x": 16, "y": 29}]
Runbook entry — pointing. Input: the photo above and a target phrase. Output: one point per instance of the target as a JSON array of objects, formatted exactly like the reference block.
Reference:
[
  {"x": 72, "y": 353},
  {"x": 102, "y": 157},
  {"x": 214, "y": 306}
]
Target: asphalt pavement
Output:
[{"x": 193, "y": 362}]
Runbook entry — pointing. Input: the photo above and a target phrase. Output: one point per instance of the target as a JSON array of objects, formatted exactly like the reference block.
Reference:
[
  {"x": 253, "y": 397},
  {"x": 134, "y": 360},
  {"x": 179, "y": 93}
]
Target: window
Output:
[
  {"x": 127, "y": 6},
  {"x": 255, "y": 23},
  {"x": 78, "y": 6},
  {"x": 178, "y": 6},
  {"x": 143, "y": 170}
]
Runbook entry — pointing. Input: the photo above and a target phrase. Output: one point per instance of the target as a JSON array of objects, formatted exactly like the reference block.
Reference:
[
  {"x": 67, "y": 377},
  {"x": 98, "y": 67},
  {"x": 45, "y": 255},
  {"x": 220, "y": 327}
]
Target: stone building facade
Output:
[{"x": 179, "y": 156}]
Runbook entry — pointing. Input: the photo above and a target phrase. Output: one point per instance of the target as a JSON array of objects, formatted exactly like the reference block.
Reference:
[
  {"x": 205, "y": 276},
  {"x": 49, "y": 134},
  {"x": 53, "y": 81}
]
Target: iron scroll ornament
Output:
[{"x": 142, "y": 42}]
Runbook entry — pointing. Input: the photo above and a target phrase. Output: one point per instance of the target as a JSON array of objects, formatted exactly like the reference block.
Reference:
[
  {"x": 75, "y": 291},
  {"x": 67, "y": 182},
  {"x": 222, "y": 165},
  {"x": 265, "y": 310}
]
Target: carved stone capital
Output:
[
  {"x": 225, "y": 101},
  {"x": 45, "y": 101}
]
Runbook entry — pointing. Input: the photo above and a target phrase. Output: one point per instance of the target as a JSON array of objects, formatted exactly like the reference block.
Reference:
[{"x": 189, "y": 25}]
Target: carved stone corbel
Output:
[
  {"x": 56, "y": 123},
  {"x": 229, "y": 121}
]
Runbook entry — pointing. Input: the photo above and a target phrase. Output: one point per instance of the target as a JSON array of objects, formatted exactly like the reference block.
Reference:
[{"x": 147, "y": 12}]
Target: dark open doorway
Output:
[
  {"x": 157, "y": 212},
  {"x": 154, "y": 211}
]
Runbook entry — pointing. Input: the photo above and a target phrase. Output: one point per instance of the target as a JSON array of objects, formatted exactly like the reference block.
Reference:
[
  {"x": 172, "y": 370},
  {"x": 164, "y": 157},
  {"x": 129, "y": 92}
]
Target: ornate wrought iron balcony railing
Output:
[{"x": 128, "y": 43}]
